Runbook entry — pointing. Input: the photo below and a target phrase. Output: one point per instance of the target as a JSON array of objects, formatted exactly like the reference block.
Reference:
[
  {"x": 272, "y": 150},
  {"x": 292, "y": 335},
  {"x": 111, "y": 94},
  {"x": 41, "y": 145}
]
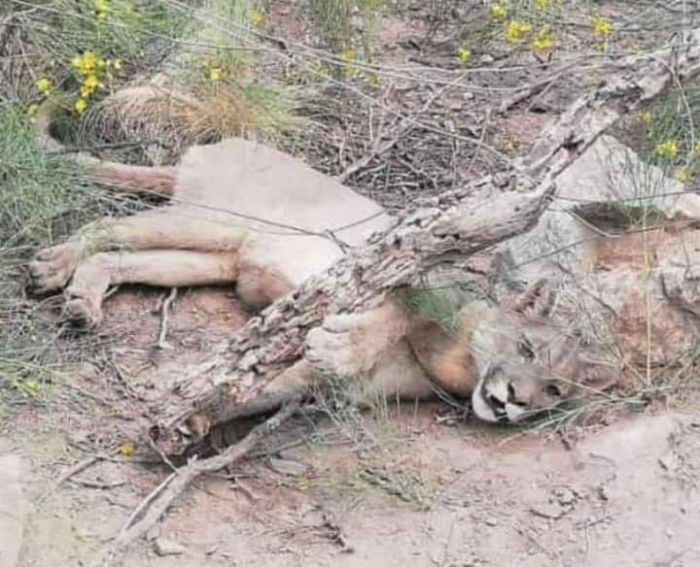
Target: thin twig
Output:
[
  {"x": 72, "y": 471},
  {"x": 165, "y": 314},
  {"x": 97, "y": 484}
]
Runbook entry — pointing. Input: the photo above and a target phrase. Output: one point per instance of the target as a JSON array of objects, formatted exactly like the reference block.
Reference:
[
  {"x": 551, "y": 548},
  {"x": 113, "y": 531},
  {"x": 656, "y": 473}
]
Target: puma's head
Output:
[{"x": 527, "y": 363}]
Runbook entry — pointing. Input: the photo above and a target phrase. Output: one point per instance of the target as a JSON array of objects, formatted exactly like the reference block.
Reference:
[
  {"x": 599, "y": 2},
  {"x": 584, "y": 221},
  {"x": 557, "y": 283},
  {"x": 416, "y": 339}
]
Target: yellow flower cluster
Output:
[
  {"x": 348, "y": 55},
  {"x": 541, "y": 4},
  {"x": 92, "y": 69},
  {"x": 602, "y": 26},
  {"x": 517, "y": 31},
  {"x": 464, "y": 54},
  {"x": 667, "y": 149},
  {"x": 373, "y": 80},
  {"x": 498, "y": 12},
  {"x": 101, "y": 10},
  {"x": 256, "y": 17},
  {"x": 682, "y": 176},
  {"x": 213, "y": 72},
  {"x": 44, "y": 86},
  {"x": 543, "y": 41},
  {"x": 126, "y": 449}
]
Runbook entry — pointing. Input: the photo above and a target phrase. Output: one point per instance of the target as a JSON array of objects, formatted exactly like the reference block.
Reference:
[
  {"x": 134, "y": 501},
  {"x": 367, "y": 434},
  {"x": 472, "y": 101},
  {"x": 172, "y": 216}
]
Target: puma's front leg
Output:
[
  {"x": 352, "y": 344},
  {"x": 165, "y": 268},
  {"x": 174, "y": 227}
]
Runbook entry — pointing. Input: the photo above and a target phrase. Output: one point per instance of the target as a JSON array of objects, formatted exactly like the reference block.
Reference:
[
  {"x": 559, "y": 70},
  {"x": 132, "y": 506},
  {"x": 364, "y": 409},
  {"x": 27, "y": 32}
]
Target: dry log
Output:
[{"x": 452, "y": 228}]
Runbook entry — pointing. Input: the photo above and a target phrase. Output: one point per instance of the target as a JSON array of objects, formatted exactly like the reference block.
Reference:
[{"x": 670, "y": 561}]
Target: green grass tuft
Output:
[{"x": 42, "y": 199}]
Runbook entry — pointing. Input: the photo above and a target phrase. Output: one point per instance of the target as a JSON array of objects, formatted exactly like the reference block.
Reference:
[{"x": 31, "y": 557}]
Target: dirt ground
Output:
[{"x": 396, "y": 486}]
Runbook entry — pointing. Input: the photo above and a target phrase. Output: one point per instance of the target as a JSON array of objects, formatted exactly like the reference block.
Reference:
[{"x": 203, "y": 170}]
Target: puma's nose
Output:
[{"x": 514, "y": 398}]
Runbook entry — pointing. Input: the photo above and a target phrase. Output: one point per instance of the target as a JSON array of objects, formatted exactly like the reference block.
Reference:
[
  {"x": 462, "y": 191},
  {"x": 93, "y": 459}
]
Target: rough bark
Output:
[{"x": 449, "y": 229}]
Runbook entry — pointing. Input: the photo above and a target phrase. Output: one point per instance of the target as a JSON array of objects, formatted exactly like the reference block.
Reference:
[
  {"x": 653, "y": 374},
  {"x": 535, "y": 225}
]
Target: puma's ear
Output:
[
  {"x": 599, "y": 376},
  {"x": 536, "y": 301}
]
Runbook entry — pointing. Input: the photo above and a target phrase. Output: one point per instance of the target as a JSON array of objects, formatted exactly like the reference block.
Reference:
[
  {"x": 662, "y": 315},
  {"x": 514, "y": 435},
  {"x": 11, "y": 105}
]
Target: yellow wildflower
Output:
[
  {"x": 464, "y": 54},
  {"x": 80, "y": 105},
  {"x": 667, "y": 149},
  {"x": 681, "y": 175},
  {"x": 256, "y": 17},
  {"x": 347, "y": 55},
  {"x": 511, "y": 144},
  {"x": 517, "y": 31},
  {"x": 646, "y": 118},
  {"x": 215, "y": 73},
  {"x": 117, "y": 64},
  {"x": 31, "y": 388},
  {"x": 541, "y": 4},
  {"x": 497, "y": 11},
  {"x": 44, "y": 86},
  {"x": 92, "y": 82},
  {"x": 373, "y": 80},
  {"x": 127, "y": 449},
  {"x": 32, "y": 109},
  {"x": 543, "y": 40},
  {"x": 601, "y": 26},
  {"x": 101, "y": 9},
  {"x": 87, "y": 63}
]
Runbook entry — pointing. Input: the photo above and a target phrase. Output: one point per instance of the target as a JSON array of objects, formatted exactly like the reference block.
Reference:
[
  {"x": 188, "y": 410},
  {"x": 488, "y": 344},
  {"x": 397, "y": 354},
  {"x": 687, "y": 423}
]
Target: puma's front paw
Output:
[
  {"x": 340, "y": 347},
  {"x": 53, "y": 267}
]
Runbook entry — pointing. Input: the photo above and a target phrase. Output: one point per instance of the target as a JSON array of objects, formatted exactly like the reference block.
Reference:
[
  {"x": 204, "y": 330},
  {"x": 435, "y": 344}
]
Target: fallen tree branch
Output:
[
  {"x": 157, "y": 502},
  {"x": 448, "y": 230}
]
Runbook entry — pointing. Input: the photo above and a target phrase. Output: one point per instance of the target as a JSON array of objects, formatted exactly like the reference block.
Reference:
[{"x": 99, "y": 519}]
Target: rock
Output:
[
  {"x": 669, "y": 461},
  {"x": 564, "y": 496},
  {"x": 287, "y": 467},
  {"x": 163, "y": 546},
  {"x": 153, "y": 533}
]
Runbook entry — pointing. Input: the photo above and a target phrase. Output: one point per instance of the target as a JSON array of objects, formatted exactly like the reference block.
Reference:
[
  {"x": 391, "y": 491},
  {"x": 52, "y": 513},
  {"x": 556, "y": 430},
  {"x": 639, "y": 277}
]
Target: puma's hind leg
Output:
[
  {"x": 165, "y": 268},
  {"x": 167, "y": 228}
]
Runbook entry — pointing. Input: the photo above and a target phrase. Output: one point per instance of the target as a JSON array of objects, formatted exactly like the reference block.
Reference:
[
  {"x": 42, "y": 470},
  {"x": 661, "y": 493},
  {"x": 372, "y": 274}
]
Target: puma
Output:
[{"x": 246, "y": 214}]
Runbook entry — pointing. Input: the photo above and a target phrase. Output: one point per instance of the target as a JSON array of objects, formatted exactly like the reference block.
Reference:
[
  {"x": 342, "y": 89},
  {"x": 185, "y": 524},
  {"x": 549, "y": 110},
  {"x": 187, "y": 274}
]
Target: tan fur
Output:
[{"x": 246, "y": 214}]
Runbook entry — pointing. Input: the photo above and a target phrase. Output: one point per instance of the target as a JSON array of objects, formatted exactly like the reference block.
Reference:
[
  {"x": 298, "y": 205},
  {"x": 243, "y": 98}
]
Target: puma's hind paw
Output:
[{"x": 83, "y": 312}]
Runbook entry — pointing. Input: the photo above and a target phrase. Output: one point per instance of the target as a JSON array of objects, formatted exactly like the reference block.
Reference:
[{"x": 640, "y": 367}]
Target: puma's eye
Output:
[
  {"x": 553, "y": 390},
  {"x": 525, "y": 349}
]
